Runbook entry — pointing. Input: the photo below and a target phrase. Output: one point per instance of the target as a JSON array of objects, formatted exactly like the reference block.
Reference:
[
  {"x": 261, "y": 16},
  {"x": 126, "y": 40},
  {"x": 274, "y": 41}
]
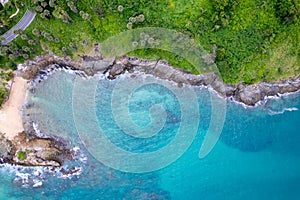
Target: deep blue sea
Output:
[{"x": 256, "y": 157}]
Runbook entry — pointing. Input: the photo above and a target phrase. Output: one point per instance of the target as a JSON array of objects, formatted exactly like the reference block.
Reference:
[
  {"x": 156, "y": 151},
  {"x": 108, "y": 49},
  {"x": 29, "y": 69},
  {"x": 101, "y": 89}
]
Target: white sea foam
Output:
[
  {"x": 75, "y": 171},
  {"x": 35, "y": 176},
  {"x": 37, "y": 183},
  {"x": 271, "y": 112},
  {"x": 264, "y": 101},
  {"x": 51, "y": 70},
  {"x": 79, "y": 155},
  {"x": 37, "y": 130}
]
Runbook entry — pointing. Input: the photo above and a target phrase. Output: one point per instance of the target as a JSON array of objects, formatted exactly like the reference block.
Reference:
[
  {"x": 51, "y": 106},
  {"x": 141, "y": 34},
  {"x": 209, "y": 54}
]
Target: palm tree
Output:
[
  {"x": 18, "y": 32},
  {"x": 1, "y": 39},
  {"x": 35, "y": 32}
]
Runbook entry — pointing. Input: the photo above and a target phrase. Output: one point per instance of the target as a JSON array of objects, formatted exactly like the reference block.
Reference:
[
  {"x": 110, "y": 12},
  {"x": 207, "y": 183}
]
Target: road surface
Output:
[{"x": 22, "y": 24}]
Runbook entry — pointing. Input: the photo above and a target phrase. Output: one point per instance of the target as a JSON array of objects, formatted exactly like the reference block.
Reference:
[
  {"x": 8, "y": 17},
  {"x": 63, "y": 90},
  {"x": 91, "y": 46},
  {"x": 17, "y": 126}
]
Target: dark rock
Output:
[
  {"x": 6, "y": 148},
  {"x": 116, "y": 70},
  {"x": 229, "y": 90},
  {"x": 38, "y": 151},
  {"x": 249, "y": 95},
  {"x": 91, "y": 58}
]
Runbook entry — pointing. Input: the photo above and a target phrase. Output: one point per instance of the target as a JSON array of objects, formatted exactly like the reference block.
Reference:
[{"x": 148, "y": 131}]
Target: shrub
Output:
[
  {"x": 286, "y": 10},
  {"x": 3, "y": 95},
  {"x": 140, "y": 18},
  {"x": 129, "y": 25},
  {"x": 120, "y": 8},
  {"x": 22, "y": 155}
]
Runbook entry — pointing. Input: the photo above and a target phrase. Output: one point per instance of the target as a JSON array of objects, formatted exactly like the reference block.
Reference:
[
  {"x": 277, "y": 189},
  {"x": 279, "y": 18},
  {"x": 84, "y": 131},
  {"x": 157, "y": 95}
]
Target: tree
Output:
[
  {"x": 18, "y": 32},
  {"x": 99, "y": 11},
  {"x": 52, "y": 3},
  {"x": 3, "y": 95},
  {"x": 39, "y": 9},
  {"x": 58, "y": 12},
  {"x": 25, "y": 56},
  {"x": 224, "y": 9},
  {"x": 31, "y": 42},
  {"x": 36, "y": 32},
  {"x": 2, "y": 51},
  {"x": 1, "y": 38},
  {"x": 26, "y": 48},
  {"x": 44, "y": 4},
  {"x": 57, "y": 40},
  {"x": 84, "y": 15},
  {"x": 287, "y": 10},
  {"x": 24, "y": 37},
  {"x": 11, "y": 56},
  {"x": 72, "y": 6},
  {"x": 66, "y": 18},
  {"x": 42, "y": 15},
  {"x": 47, "y": 13}
]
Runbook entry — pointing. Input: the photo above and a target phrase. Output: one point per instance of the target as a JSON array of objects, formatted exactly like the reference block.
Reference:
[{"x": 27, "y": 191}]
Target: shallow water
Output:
[{"x": 256, "y": 157}]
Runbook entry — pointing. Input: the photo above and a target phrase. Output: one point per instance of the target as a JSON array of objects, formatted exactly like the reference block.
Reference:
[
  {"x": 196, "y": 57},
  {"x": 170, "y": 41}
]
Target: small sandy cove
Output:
[{"x": 11, "y": 112}]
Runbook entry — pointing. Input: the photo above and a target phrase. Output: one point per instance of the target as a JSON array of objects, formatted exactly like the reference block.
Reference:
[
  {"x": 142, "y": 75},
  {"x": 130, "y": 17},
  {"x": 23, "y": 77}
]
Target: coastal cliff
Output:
[
  {"x": 249, "y": 95},
  {"x": 37, "y": 151},
  {"x": 246, "y": 94},
  {"x": 33, "y": 151},
  {"x": 26, "y": 148}
]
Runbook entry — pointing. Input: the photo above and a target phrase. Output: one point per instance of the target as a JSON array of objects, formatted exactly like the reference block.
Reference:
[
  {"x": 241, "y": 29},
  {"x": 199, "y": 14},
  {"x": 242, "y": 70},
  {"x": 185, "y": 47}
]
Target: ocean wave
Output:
[
  {"x": 45, "y": 73},
  {"x": 25, "y": 176},
  {"x": 267, "y": 99},
  {"x": 78, "y": 155},
  {"x": 37, "y": 131},
  {"x": 272, "y": 112}
]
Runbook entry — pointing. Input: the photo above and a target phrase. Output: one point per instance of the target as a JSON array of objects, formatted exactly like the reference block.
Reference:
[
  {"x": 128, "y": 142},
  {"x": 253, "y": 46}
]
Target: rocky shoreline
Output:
[
  {"x": 249, "y": 95},
  {"x": 31, "y": 149}
]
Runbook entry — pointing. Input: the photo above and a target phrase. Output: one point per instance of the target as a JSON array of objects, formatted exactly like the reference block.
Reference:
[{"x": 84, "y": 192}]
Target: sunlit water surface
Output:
[{"x": 257, "y": 156}]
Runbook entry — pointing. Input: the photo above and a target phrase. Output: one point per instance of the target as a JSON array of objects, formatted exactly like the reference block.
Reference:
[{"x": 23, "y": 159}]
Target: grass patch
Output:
[
  {"x": 22, "y": 155},
  {"x": 157, "y": 54}
]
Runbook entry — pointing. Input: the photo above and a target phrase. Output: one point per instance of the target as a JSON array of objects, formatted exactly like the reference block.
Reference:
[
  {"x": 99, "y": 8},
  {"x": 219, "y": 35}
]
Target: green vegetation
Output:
[
  {"x": 255, "y": 40},
  {"x": 5, "y": 76},
  {"x": 6, "y": 12},
  {"x": 22, "y": 155},
  {"x": 3, "y": 95}
]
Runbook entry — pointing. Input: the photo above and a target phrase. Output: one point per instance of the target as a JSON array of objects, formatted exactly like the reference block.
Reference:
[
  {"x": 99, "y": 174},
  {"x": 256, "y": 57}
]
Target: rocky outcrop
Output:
[
  {"x": 246, "y": 94},
  {"x": 6, "y": 149},
  {"x": 251, "y": 94},
  {"x": 31, "y": 69},
  {"x": 37, "y": 151},
  {"x": 31, "y": 150}
]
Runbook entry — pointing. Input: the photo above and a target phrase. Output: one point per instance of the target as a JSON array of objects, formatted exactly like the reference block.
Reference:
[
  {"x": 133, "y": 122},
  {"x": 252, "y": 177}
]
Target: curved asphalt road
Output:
[{"x": 22, "y": 24}]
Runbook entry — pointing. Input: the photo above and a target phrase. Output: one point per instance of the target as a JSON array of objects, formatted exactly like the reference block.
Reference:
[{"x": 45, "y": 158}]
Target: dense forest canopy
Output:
[{"x": 252, "y": 40}]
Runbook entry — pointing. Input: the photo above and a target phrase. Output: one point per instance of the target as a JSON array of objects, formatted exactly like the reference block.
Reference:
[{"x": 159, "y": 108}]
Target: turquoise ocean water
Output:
[{"x": 256, "y": 157}]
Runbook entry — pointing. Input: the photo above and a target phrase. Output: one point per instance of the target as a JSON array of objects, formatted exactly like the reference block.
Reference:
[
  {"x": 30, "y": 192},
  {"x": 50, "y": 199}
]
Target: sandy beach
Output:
[{"x": 11, "y": 114}]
